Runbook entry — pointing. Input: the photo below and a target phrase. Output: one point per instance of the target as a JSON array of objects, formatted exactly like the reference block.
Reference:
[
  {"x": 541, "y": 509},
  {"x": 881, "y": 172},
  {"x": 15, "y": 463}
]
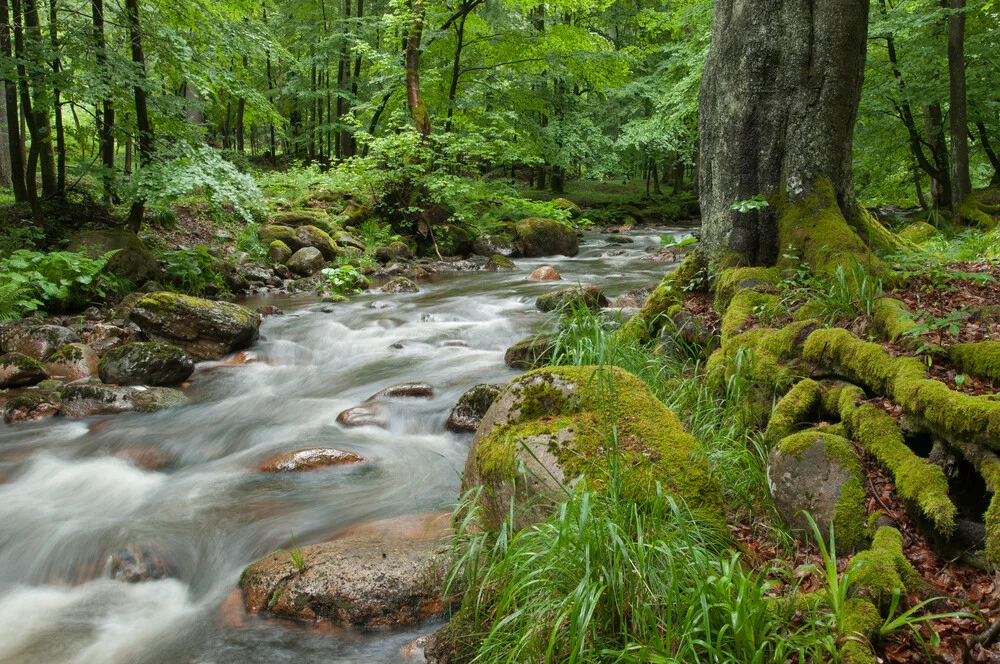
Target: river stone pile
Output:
[{"x": 51, "y": 367}]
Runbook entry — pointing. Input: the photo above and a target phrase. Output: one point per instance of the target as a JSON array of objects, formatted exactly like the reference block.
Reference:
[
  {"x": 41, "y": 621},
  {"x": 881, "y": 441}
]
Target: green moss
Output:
[
  {"x": 973, "y": 213},
  {"x": 874, "y": 234},
  {"x": 278, "y": 244},
  {"x": 951, "y": 415},
  {"x": 283, "y": 234},
  {"x": 583, "y": 403},
  {"x": 795, "y": 408},
  {"x": 732, "y": 281},
  {"x": 835, "y": 447},
  {"x": 743, "y": 306},
  {"x": 645, "y": 325},
  {"x": 981, "y": 360},
  {"x": 568, "y": 205},
  {"x": 883, "y": 568},
  {"x": 861, "y": 623},
  {"x": 918, "y": 482},
  {"x": 815, "y": 230},
  {"x": 891, "y": 319},
  {"x": 21, "y": 363},
  {"x": 67, "y": 353},
  {"x": 850, "y": 519},
  {"x": 919, "y": 231}
]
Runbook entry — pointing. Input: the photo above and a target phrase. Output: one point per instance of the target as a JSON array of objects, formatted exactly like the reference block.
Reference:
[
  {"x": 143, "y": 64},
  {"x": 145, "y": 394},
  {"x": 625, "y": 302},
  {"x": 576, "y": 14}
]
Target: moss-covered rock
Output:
[
  {"x": 279, "y": 252},
  {"x": 297, "y": 218},
  {"x": 207, "y": 330},
  {"x": 400, "y": 285},
  {"x": 18, "y": 370},
  {"x": 981, "y": 360},
  {"x": 919, "y": 231},
  {"x": 283, "y": 234},
  {"x": 531, "y": 352},
  {"x": 146, "y": 363},
  {"x": 567, "y": 205},
  {"x": 306, "y": 262},
  {"x": 538, "y": 237},
  {"x": 132, "y": 260},
  {"x": 72, "y": 362},
  {"x": 619, "y": 239},
  {"x": 498, "y": 263},
  {"x": 31, "y": 406},
  {"x": 90, "y": 399},
  {"x": 36, "y": 339},
  {"x": 589, "y": 297},
  {"x": 553, "y": 425},
  {"x": 472, "y": 406},
  {"x": 819, "y": 473}
]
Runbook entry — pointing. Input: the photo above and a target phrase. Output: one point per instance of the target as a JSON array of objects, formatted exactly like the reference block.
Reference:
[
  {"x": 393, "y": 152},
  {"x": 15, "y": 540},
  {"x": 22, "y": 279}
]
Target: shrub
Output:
[
  {"x": 191, "y": 270},
  {"x": 56, "y": 282}
]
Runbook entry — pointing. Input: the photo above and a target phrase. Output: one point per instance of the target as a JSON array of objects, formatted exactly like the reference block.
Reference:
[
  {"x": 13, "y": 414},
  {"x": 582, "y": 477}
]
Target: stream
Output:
[{"x": 68, "y": 500}]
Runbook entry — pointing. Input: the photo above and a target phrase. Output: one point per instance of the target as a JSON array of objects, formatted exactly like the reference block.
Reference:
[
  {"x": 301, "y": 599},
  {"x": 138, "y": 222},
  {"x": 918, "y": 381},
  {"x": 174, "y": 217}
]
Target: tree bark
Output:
[
  {"x": 106, "y": 115},
  {"x": 16, "y": 154},
  {"x": 961, "y": 184},
  {"x": 934, "y": 130},
  {"x": 984, "y": 138},
  {"x": 145, "y": 130},
  {"x": 777, "y": 107},
  {"x": 36, "y": 111},
  {"x": 418, "y": 111},
  {"x": 57, "y": 98}
]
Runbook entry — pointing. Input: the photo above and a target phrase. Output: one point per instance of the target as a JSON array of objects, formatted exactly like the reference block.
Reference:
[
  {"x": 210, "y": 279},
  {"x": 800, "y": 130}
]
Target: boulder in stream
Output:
[
  {"x": 146, "y": 363},
  {"x": 86, "y": 399},
  {"x": 34, "y": 339},
  {"x": 551, "y": 426},
  {"x": 207, "y": 330},
  {"x": 308, "y": 459},
  {"x": 472, "y": 406},
  {"x": 499, "y": 263},
  {"x": 400, "y": 285},
  {"x": 530, "y": 352},
  {"x": 358, "y": 583},
  {"x": 404, "y": 390},
  {"x": 587, "y": 296},
  {"x": 135, "y": 564},
  {"x": 538, "y": 237},
  {"x": 306, "y": 262},
  {"x": 365, "y": 415},
  {"x": 31, "y": 406},
  {"x": 544, "y": 273}
]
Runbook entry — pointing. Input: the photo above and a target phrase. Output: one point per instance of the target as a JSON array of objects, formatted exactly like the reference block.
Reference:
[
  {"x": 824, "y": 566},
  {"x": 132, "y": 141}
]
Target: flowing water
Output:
[{"x": 68, "y": 499}]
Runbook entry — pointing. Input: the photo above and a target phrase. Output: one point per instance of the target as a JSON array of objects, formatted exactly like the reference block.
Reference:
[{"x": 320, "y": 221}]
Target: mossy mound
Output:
[
  {"x": 146, "y": 363},
  {"x": 919, "y": 231},
  {"x": 553, "y": 426},
  {"x": 279, "y": 252},
  {"x": 531, "y": 352},
  {"x": 498, "y": 263},
  {"x": 132, "y": 260},
  {"x": 567, "y": 205},
  {"x": 298, "y": 218}
]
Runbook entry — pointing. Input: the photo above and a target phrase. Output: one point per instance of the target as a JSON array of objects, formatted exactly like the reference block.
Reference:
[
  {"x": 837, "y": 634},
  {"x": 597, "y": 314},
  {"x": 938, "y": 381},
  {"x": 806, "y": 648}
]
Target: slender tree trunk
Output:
[
  {"x": 5, "y": 164},
  {"x": 984, "y": 138},
  {"x": 270, "y": 99},
  {"x": 961, "y": 184},
  {"x": 934, "y": 130},
  {"x": 27, "y": 116},
  {"x": 655, "y": 177},
  {"x": 456, "y": 70},
  {"x": 778, "y": 102},
  {"x": 241, "y": 106},
  {"x": 418, "y": 111},
  {"x": 145, "y": 130},
  {"x": 57, "y": 98},
  {"x": 37, "y": 112},
  {"x": 918, "y": 188},
  {"x": 106, "y": 115},
  {"x": 14, "y": 147}
]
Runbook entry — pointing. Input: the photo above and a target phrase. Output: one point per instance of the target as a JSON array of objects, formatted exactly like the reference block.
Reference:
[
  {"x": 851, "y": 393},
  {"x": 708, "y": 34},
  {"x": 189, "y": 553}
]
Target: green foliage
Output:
[
  {"x": 671, "y": 241},
  {"x": 295, "y": 555},
  {"x": 941, "y": 325},
  {"x": 55, "y": 282},
  {"x": 843, "y": 296},
  {"x": 914, "y": 618},
  {"x": 375, "y": 235},
  {"x": 757, "y": 202},
  {"x": 13, "y": 238},
  {"x": 248, "y": 240},
  {"x": 344, "y": 280},
  {"x": 605, "y": 579},
  {"x": 191, "y": 270}
]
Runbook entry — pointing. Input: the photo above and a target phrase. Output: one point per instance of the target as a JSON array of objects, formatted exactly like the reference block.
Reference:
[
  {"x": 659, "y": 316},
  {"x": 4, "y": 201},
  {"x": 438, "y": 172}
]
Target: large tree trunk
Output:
[
  {"x": 37, "y": 109},
  {"x": 143, "y": 127},
  {"x": 15, "y": 153},
  {"x": 961, "y": 185},
  {"x": 778, "y": 102}
]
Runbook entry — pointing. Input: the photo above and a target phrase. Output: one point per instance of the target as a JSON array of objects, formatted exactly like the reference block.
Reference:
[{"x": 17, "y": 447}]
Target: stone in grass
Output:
[{"x": 583, "y": 296}]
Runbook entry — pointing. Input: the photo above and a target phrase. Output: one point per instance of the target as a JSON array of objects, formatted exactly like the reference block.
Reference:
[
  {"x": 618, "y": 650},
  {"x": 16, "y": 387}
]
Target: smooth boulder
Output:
[
  {"x": 472, "y": 407},
  {"x": 544, "y": 273},
  {"x": 355, "y": 583},
  {"x": 146, "y": 363},
  {"x": 538, "y": 237},
  {"x": 34, "y": 339},
  {"x": 306, "y": 262},
  {"x": 400, "y": 285},
  {"x": 552, "y": 426},
  {"x": 530, "y": 352},
  {"x": 308, "y": 459},
  {"x": 404, "y": 390},
  {"x": 365, "y": 415},
  {"x": 207, "y": 330}
]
